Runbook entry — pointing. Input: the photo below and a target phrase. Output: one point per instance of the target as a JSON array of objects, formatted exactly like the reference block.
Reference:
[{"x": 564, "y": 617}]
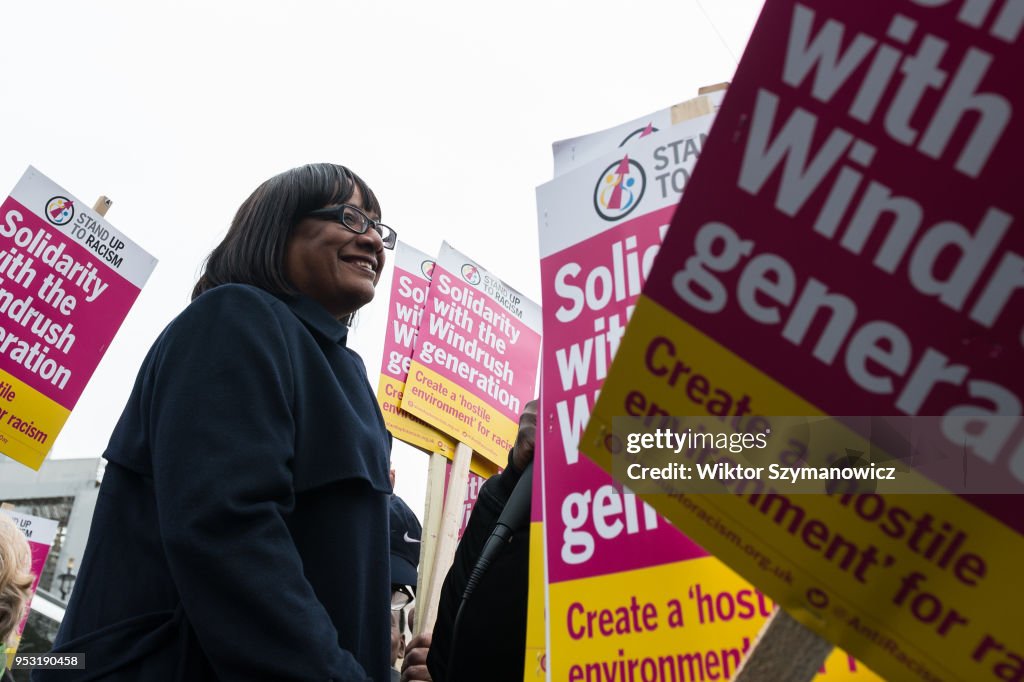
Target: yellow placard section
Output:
[
  {"x": 416, "y": 432},
  {"x": 689, "y": 620},
  {"x": 485, "y": 468},
  {"x": 29, "y": 421},
  {"x": 459, "y": 413},
  {"x": 920, "y": 587},
  {"x": 535, "y": 667},
  {"x": 407, "y": 427}
]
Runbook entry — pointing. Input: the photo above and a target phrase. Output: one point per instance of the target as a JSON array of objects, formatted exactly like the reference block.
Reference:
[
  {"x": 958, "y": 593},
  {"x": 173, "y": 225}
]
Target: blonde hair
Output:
[{"x": 15, "y": 578}]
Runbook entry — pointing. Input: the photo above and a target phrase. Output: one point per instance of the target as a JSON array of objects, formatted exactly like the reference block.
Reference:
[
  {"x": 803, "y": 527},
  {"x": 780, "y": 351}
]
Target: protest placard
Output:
[
  {"x": 629, "y": 596},
  {"x": 475, "y": 361},
  {"x": 473, "y": 484},
  {"x": 568, "y": 155},
  {"x": 409, "y": 285},
  {"x": 40, "y": 534},
  {"x": 578, "y": 151},
  {"x": 845, "y": 248},
  {"x": 68, "y": 281}
]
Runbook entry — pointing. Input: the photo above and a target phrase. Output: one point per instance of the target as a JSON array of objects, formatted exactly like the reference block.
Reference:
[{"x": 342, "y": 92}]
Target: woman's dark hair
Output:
[{"x": 253, "y": 250}]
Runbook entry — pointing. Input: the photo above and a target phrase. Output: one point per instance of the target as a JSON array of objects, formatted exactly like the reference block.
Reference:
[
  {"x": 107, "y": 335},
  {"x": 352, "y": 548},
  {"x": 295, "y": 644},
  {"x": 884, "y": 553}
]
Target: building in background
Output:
[{"x": 64, "y": 490}]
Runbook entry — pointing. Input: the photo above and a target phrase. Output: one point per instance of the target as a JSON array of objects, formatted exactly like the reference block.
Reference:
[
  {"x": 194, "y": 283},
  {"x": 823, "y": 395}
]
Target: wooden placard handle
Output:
[
  {"x": 713, "y": 88},
  {"x": 102, "y": 205},
  {"x": 432, "y": 513},
  {"x": 447, "y": 539},
  {"x": 784, "y": 650}
]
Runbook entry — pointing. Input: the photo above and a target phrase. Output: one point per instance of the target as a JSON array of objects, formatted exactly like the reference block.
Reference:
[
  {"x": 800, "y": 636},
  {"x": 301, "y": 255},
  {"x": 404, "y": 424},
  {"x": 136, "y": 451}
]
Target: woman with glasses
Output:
[{"x": 241, "y": 530}]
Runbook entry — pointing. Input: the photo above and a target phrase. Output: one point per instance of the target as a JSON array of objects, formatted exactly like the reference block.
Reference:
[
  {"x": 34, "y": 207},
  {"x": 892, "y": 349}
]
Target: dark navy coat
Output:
[{"x": 241, "y": 530}]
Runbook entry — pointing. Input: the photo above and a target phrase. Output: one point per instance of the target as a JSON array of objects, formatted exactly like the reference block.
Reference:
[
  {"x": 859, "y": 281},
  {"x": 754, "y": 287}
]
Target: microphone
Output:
[{"x": 514, "y": 516}]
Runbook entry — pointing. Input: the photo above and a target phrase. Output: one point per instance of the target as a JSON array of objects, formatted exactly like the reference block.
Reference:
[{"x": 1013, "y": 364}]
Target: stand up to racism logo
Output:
[
  {"x": 60, "y": 210},
  {"x": 619, "y": 189},
  {"x": 471, "y": 274}
]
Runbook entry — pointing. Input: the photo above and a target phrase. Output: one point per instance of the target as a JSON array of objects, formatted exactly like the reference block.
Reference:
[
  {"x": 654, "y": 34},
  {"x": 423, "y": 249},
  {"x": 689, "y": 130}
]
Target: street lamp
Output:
[{"x": 67, "y": 580}]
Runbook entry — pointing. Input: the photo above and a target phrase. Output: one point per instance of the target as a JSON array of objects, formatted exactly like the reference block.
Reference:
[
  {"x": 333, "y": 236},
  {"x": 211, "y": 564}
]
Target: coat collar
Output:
[{"x": 316, "y": 317}]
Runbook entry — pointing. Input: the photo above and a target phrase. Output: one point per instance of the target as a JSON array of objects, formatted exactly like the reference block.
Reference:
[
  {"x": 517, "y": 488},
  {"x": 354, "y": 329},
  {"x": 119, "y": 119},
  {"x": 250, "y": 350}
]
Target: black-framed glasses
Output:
[
  {"x": 356, "y": 221},
  {"x": 400, "y": 597}
]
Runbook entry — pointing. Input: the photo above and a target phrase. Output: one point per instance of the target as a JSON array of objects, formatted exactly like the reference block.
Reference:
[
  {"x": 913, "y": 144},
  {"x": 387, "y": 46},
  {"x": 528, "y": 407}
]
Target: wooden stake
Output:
[
  {"x": 102, "y": 205},
  {"x": 691, "y": 108},
  {"x": 698, "y": 106},
  {"x": 432, "y": 514},
  {"x": 784, "y": 650},
  {"x": 713, "y": 88},
  {"x": 447, "y": 539}
]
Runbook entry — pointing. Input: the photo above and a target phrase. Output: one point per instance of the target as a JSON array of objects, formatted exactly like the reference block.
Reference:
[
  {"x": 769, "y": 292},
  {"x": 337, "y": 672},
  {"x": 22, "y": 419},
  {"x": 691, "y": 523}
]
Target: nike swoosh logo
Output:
[{"x": 409, "y": 539}]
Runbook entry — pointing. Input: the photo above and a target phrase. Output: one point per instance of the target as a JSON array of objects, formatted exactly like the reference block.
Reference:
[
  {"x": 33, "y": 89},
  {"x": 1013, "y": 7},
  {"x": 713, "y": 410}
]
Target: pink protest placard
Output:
[
  {"x": 475, "y": 361},
  {"x": 850, "y": 245},
  {"x": 600, "y": 230},
  {"x": 68, "y": 281},
  {"x": 608, "y": 552},
  {"x": 409, "y": 286},
  {"x": 40, "y": 534},
  {"x": 473, "y": 485}
]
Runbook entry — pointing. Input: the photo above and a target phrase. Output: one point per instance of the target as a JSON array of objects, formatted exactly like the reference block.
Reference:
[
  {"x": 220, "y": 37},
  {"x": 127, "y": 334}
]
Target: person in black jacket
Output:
[
  {"x": 490, "y": 640},
  {"x": 241, "y": 529}
]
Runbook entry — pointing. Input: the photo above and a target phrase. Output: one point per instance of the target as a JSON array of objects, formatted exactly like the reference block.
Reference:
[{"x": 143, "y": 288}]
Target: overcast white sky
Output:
[{"x": 177, "y": 111}]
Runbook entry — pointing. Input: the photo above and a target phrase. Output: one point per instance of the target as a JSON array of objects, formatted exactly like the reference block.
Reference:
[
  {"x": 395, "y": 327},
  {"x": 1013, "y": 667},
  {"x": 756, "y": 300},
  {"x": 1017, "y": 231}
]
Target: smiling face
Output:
[{"x": 334, "y": 266}]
